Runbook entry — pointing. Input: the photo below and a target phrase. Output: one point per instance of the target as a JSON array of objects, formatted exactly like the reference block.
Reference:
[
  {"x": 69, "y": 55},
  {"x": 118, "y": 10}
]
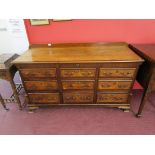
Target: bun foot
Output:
[
  {"x": 126, "y": 110},
  {"x": 32, "y": 109}
]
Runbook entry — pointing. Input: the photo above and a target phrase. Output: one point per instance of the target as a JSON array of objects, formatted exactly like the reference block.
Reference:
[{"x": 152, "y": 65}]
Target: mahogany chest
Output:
[{"x": 79, "y": 74}]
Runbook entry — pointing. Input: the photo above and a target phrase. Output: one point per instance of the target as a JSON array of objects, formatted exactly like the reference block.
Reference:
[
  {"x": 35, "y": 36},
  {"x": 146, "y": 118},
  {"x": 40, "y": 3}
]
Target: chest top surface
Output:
[
  {"x": 147, "y": 51},
  {"x": 79, "y": 52}
]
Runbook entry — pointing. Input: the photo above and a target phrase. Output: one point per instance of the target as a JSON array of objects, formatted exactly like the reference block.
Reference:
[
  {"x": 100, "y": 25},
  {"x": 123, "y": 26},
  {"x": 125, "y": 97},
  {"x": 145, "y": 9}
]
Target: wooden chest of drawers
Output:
[{"x": 79, "y": 74}]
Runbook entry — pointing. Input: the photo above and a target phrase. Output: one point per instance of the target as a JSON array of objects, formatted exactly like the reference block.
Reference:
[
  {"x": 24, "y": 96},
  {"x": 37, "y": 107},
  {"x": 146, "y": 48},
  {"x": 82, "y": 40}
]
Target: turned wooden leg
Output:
[
  {"x": 147, "y": 90},
  {"x": 15, "y": 93},
  {"x": 3, "y": 103}
]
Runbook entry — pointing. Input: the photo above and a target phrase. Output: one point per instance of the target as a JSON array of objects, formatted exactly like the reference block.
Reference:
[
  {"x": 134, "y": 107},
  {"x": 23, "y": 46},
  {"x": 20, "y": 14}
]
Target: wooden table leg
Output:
[
  {"x": 15, "y": 93},
  {"x": 143, "y": 101},
  {"x": 3, "y": 103}
]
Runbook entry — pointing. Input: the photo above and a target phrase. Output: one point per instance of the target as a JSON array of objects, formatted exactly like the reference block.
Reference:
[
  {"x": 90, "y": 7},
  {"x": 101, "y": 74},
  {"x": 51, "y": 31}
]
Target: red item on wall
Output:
[{"x": 93, "y": 30}]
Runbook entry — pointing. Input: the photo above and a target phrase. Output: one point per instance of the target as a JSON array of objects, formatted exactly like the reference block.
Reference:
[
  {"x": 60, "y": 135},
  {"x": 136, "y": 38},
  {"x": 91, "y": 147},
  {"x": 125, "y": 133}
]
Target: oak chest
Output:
[{"x": 79, "y": 74}]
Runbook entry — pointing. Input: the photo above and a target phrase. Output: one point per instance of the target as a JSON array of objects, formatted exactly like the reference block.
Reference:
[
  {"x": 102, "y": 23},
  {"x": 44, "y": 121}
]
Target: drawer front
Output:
[
  {"x": 117, "y": 72},
  {"x": 112, "y": 98},
  {"x": 74, "y": 72},
  {"x": 44, "y": 97},
  {"x": 41, "y": 85},
  {"x": 77, "y": 85},
  {"x": 30, "y": 74},
  {"x": 110, "y": 85},
  {"x": 78, "y": 97}
]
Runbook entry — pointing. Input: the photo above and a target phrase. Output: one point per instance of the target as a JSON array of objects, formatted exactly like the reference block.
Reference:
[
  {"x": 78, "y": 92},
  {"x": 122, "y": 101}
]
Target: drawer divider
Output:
[
  {"x": 58, "y": 75},
  {"x": 96, "y": 84}
]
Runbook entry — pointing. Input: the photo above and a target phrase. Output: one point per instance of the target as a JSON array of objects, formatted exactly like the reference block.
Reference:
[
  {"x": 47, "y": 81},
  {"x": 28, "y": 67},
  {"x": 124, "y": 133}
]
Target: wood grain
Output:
[
  {"x": 74, "y": 84},
  {"x": 114, "y": 85},
  {"x": 35, "y": 73},
  {"x": 78, "y": 97},
  {"x": 74, "y": 72},
  {"x": 117, "y": 72},
  {"x": 112, "y": 98},
  {"x": 79, "y": 74},
  {"x": 44, "y": 97},
  {"x": 41, "y": 85},
  {"x": 80, "y": 53}
]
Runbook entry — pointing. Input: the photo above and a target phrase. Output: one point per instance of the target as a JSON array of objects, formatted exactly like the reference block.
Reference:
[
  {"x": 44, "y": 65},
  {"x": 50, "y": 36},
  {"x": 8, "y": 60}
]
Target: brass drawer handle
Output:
[
  {"x": 128, "y": 73},
  {"x": 107, "y": 73},
  {"x": 77, "y": 65},
  {"x": 67, "y": 98},
  {"x": 125, "y": 73},
  {"x": 88, "y": 97},
  {"x": 87, "y": 85},
  {"x": 105, "y": 85},
  {"x": 70, "y": 85},
  {"x": 70, "y": 98},
  {"x": 117, "y": 98}
]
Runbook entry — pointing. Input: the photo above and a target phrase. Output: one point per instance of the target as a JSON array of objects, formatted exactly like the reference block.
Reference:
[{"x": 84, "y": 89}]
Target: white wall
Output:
[{"x": 13, "y": 37}]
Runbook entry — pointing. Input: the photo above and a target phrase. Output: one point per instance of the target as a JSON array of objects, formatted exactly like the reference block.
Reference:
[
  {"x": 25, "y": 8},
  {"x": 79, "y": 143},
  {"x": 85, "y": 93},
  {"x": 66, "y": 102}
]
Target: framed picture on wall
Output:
[{"x": 35, "y": 22}]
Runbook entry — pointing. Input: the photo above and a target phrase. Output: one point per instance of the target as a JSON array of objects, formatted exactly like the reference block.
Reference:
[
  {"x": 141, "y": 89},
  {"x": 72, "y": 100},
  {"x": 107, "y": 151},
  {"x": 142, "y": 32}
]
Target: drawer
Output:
[
  {"x": 44, "y": 97},
  {"x": 77, "y": 85},
  {"x": 78, "y": 97},
  {"x": 38, "y": 73},
  {"x": 41, "y": 85},
  {"x": 117, "y": 72},
  {"x": 112, "y": 98},
  {"x": 74, "y": 72},
  {"x": 110, "y": 85}
]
